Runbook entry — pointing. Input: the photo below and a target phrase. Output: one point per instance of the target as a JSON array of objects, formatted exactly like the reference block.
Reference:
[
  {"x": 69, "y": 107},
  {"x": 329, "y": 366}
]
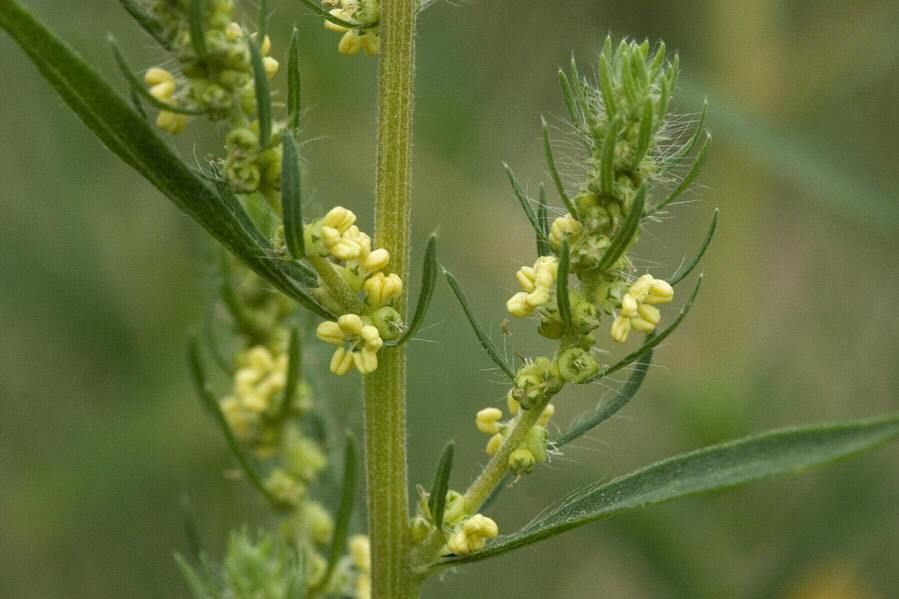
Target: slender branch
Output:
[{"x": 385, "y": 389}]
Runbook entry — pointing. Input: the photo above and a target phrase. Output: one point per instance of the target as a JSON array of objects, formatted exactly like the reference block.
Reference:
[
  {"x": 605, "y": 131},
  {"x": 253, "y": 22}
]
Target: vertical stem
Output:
[{"x": 385, "y": 389}]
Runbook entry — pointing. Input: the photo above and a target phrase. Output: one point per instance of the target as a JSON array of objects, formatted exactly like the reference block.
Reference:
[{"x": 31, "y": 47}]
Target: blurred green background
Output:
[{"x": 102, "y": 279}]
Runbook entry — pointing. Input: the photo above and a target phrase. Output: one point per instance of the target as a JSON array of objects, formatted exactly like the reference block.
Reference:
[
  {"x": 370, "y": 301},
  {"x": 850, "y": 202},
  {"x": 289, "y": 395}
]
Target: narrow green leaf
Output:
[
  {"x": 657, "y": 61},
  {"x": 212, "y": 406},
  {"x": 321, "y": 12},
  {"x": 194, "y": 582},
  {"x": 607, "y": 159},
  {"x": 691, "y": 175},
  {"x": 263, "y": 96},
  {"x": 562, "y": 300},
  {"x": 715, "y": 468},
  {"x": 294, "y": 372},
  {"x": 524, "y": 201},
  {"x": 189, "y": 521},
  {"x": 196, "y": 17},
  {"x": 485, "y": 341},
  {"x": 132, "y": 139},
  {"x": 568, "y": 96},
  {"x": 428, "y": 283},
  {"x": 137, "y": 85},
  {"x": 606, "y": 88},
  {"x": 625, "y": 234},
  {"x": 437, "y": 496},
  {"x": 292, "y": 198},
  {"x": 652, "y": 340},
  {"x": 664, "y": 100},
  {"x": 137, "y": 104},
  {"x": 684, "y": 150},
  {"x": 294, "y": 85},
  {"x": 262, "y": 27},
  {"x": 681, "y": 274},
  {"x": 344, "y": 512},
  {"x": 646, "y": 130},
  {"x": 543, "y": 247},
  {"x": 606, "y": 410},
  {"x": 554, "y": 173},
  {"x": 147, "y": 21}
]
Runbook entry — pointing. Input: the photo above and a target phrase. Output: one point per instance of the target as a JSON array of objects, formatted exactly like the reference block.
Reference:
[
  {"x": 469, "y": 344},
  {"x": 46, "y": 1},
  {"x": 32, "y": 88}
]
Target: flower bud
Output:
[
  {"x": 488, "y": 419},
  {"x": 494, "y": 444},
  {"x": 517, "y": 305},
  {"x": 339, "y": 218},
  {"x": 660, "y": 292},
  {"x": 551, "y": 328},
  {"x": 621, "y": 327},
  {"x": 371, "y": 43},
  {"x": 377, "y": 260},
  {"x": 366, "y": 361},
  {"x": 341, "y": 361},
  {"x": 536, "y": 443},
  {"x": 270, "y": 66},
  {"x": 350, "y": 44},
  {"x": 388, "y": 322},
  {"x": 521, "y": 461},
  {"x": 577, "y": 366},
  {"x": 351, "y": 324},
  {"x": 585, "y": 317}
]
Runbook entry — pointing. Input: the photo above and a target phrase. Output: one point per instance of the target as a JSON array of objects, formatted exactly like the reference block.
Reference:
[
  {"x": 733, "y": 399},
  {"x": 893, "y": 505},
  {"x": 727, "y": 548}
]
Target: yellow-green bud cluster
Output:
[
  {"x": 358, "y": 343},
  {"x": 472, "y": 534},
  {"x": 536, "y": 381},
  {"x": 638, "y": 307},
  {"x": 538, "y": 283},
  {"x": 529, "y": 452},
  {"x": 363, "y": 12},
  {"x": 257, "y": 395},
  {"x": 360, "y": 557}
]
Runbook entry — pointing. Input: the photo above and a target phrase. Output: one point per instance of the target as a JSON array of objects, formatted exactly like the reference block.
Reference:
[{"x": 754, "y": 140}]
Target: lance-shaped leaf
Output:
[
  {"x": 607, "y": 158},
  {"x": 562, "y": 299},
  {"x": 577, "y": 119},
  {"x": 607, "y": 409},
  {"x": 653, "y": 340},
  {"x": 691, "y": 174},
  {"x": 294, "y": 373},
  {"x": 685, "y": 149},
  {"x": 554, "y": 173},
  {"x": 428, "y": 283},
  {"x": 524, "y": 201},
  {"x": 292, "y": 198},
  {"x": 198, "y": 588},
  {"x": 132, "y": 139},
  {"x": 321, "y": 12},
  {"x": 625, "y": 234},
  {"x": 682, "y": 273},
  {"x": 657, "y": 61},
  {"x": 147, "y": 21},
  {"x": 294, "y": 85},
  {"x": 189, "y": 522},
  {"x": 212, "y": 406},
  {"x": 606, "y": 88},
  {"x": 263, "y": 96},
  {"x": 137, "y": 85},
  {"x": 437, "y": 496},
  {"x": 196, "y": 20},
  {"x": 262, "y": 27},
  {"x": 543, "y": 247},
  {"x": 723, "y": 466},
  {"x": 485, "y": 341},
  {"x": 645, "y": 137},
  {"x": 344, "y": 512}
]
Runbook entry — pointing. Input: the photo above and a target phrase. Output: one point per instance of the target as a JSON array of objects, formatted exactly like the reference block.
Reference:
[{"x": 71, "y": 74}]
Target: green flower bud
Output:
[
  {"x": 585, "y": 317},
  {"x": 551, "y": 328},
  {"x": 420, "y": 528},
  {"x": 576, "y": 365},
  {"x": 536, "y": 443},
  {"x": 388, "y": 322},
  {"x": 242, "y": 139},
  {"x": 243, "y": 175},
  {"x": 586, "y": 201},
  {"x": 521, "y": 461}
]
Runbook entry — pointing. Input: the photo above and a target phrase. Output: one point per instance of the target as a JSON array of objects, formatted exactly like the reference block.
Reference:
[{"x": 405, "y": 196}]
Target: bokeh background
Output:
[{"x": 102, "y": 279}]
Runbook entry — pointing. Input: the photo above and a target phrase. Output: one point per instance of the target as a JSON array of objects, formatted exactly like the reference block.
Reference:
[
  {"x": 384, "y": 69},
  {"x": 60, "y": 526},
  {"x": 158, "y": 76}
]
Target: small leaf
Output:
[
  {"x": 428, "y": 283},
  {"x": 691, "y": 175},
  {"x": 607, "y": 159},
  {"x": 606, "y": 410},
  {"x": 344, "y": 512},
  {"x": 606, "y": 88},
  {"x": 554, "y": 173},
  {"x": 524, "y": 201},
  {"x": 137, "y": 85},
  {"x": 147, "y": 22},
  {"x": 196, "y": 17},
  {"x": 262, "y": 28},
  {"x": 646, "y": 131},
  {"x": 485, "y": 341},
  {"x": 680, "y": 275},
  {"x": 292, "y": 198},
  {"x": 657, "y": 61},
  {"x": 437, "y": 496},
  {"x": 653, "y": 340},
  {"x": 321, "y": 12},
  {"x": 294, "y": 85},
  {"x": 568, "y": 96},
  {"x": 715, "y": 468},
  {"x": 294, "y": 373},
  {"x": 189, "y": 521},
  {"x": 194, "y": 581},
  {"x": 212, "y": 406},
  {"x": 625, "y": 234},
  {"x": 562, "y": 300},
  {"x": 263, "y": 96},
  {"x": 543, "y": 247}
]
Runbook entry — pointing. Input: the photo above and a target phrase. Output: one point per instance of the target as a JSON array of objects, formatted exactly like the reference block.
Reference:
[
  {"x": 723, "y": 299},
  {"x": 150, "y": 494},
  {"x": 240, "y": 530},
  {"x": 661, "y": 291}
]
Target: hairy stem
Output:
[
  {"x": 335, "y": 285},
  {"x": 385, "y": 389}
]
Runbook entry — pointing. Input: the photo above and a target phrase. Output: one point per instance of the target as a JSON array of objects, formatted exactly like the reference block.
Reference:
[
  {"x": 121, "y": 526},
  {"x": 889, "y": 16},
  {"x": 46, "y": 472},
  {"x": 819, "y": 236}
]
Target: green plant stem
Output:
[
  {"x": 385, "y": 389},
  {"x": 498, "y": 466},
  {"x": 336, "y": 286}
]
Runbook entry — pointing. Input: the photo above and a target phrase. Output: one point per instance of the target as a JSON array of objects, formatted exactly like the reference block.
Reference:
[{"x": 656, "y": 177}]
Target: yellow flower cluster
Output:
[
  {"x": 637, "y": 308},
  {"x": 354, "y": 40},
  {"x": 358, "y": 344},
  {"x": 531, "y": 451},
  {"x": 257, "y": 392},
  {"x": 562, "y": 228},
  {"x": 162, "y": 87},
  {"x": 538, "y": 283},
  {"x": 472, "y": 535}
]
